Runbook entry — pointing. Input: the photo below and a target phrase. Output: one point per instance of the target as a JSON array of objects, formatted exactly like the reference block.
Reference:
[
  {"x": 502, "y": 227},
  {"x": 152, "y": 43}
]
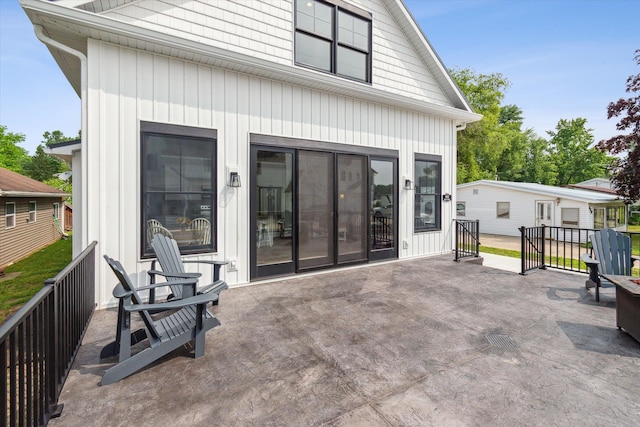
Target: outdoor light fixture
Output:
[
  {"x": 408, "y": 185},
  {"x": 234, "y": 180}
]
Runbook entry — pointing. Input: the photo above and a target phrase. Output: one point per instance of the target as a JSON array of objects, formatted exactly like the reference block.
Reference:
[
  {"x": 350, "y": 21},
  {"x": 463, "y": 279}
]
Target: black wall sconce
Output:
[{"x": 234, "y": 179}]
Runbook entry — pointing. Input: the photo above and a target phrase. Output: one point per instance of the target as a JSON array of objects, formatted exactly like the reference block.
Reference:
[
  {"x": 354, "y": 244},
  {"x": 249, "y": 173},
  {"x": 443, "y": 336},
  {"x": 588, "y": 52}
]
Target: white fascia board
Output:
[
  {"x": 235, "y": 61},
  {"x": 596, "y": 197},
  {"x": 31, "y": 194}
]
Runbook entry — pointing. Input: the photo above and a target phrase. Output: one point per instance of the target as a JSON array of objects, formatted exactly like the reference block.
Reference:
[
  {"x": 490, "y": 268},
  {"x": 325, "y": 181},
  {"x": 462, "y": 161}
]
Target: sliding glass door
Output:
[{"x": 313, "y": 209}]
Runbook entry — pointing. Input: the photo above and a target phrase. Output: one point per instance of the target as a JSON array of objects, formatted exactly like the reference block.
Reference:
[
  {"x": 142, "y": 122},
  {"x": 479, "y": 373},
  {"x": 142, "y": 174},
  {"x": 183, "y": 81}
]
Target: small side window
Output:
[
  {"x": 10, "y": 215},
  {"x": 32, "y": 211},
  {"x": 56, "y": 211},
  {"x": 502, "y": 210},
  {"x": 460, "y": 209}
]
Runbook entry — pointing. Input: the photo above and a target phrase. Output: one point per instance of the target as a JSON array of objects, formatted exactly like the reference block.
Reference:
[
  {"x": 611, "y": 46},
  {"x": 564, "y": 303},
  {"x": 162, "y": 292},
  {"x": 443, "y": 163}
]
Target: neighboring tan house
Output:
[
  {"x": 276, "y": 125},
  {"x": 502, "y": 207},
  {"x": 30, "y": 216}
]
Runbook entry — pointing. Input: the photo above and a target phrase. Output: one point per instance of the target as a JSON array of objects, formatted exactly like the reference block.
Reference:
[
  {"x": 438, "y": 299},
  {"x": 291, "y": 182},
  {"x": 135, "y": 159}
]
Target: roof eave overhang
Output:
[
  {"x": 89, "y": 25},
  {"x": 546, "y": 194},
  {"x": 31, "y": 194}
]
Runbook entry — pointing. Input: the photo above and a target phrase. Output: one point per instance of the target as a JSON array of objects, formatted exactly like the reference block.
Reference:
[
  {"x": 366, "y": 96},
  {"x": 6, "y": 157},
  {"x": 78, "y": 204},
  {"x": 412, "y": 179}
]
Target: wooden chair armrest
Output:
[
  {"x": 192, "y": 281},
  {"x": 205, "y": 262},
  {"x": 215, "y": 287},
  {"x": 589, "y": 261},
  {"x": 174, "y": 304},
  {"x": 171, "y": 275}
]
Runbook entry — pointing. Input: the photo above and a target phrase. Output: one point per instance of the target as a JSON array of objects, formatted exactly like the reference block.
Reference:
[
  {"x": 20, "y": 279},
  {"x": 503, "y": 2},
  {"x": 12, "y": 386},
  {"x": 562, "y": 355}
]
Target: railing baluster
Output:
[{"x": 40, "y": 341}]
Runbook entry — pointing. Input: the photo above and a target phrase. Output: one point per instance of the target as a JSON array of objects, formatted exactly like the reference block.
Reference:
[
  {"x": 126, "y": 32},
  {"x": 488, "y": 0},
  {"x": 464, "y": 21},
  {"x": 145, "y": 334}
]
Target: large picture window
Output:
[
  {"x": 178, "y": 186},
  {"x": 335, "y": 37},
  {"x": 428, "y": 193}
]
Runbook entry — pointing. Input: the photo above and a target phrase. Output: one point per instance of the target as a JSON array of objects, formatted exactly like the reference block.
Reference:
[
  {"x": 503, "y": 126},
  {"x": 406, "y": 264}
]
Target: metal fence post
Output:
[{"x": 544, "y": 244}]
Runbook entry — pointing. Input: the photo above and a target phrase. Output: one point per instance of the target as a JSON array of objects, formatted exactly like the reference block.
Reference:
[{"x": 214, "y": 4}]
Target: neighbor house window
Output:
[
  {"x": 502, "y": 209},
  {"x": 178, "y": 186},
  {"x": 428, "y": 193},
  {"x": 570, "y": 217},
  {"x": 10, "y": 215},
  {"x": 622, "y": 215},
  {"x": 598, "y": 218},
  {"x": 611, "y": 216},
  {"x": 335, "y": 37},
  {"x": 460, "y": 209},
  {"x": 56, "y": 211},
  {"x": 32, "y": 211}
]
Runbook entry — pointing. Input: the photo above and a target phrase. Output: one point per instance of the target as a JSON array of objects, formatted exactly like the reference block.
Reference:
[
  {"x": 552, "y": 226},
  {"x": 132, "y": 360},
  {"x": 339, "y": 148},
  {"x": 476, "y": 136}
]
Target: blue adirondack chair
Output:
[
  {"x": 172, "y": 265},
  {"x": 188, "y": 322},
  {"x": 612, "y": 252}
]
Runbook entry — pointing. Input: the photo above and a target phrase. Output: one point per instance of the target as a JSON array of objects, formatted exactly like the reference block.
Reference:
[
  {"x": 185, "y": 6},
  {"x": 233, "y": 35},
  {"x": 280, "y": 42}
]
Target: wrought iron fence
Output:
[
  {"x": 467, "y": 239},
  {"x": 39, "y": 343},
  {"x": 560, "y": 247}
]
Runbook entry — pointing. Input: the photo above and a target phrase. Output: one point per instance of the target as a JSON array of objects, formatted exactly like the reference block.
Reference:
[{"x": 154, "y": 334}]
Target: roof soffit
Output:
[{"x": 72, "y": 26}]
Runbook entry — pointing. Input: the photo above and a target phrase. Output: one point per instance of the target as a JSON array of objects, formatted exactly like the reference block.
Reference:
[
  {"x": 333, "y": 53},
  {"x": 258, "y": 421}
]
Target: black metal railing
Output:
[
  {"x": 39, "y": 343},
  {"x": 560, "y": 247},
  {"x": 467, "y": 239},
  {"x": 381, "y": 232}
]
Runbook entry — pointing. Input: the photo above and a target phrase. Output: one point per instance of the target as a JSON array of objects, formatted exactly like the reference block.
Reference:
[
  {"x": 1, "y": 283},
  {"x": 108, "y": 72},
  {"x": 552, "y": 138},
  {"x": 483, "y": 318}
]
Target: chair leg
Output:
[
  {"x": 200, "y": 331},
  {"x": 597, "y": 292}
]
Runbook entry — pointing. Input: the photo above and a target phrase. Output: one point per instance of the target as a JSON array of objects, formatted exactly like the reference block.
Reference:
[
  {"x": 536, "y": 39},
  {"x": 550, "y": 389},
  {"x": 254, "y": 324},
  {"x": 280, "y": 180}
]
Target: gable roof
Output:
[
  {"x": 72, "y": 22},
  {"x": 580, "y": 195},
  {"x": 12, "y": 184}
]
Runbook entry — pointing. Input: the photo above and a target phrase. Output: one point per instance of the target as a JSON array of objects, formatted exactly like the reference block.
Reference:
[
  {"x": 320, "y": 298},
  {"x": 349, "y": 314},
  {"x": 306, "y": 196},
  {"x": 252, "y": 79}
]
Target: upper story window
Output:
[
  {"x": 428, "y": 193},
  {"x": 10, "y": 215},
  {"x": 178, "y": 186},
  {"x": 335, "y": 37},
  {"x": 32, "y": 211}
]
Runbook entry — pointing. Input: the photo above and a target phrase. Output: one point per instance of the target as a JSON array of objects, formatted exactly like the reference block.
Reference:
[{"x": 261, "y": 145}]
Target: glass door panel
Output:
[
  {"x": 383, "y": 208},
  {"x": 315, "y": 209},
  {"x": 352, "y": 208},
  {"x": 272, "y": 212}
]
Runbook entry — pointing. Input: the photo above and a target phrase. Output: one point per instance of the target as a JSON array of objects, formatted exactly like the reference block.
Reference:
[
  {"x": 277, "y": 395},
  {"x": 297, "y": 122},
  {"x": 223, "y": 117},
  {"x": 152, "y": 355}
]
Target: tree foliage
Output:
[
  {"x": 43, "y": 166},
  {"x": 12, "y": 156},
  {"x": 626, "y": 170},
  {"x": 573, "y": 154}
]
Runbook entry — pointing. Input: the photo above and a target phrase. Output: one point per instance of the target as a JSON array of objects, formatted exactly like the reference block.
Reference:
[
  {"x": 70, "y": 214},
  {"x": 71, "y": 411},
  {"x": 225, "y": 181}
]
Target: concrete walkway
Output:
[{"x": 420, "y": 342}]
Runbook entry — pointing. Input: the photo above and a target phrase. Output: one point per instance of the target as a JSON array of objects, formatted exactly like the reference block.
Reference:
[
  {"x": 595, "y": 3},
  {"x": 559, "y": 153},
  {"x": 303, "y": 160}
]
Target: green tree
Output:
[
  {"x": 626, "y": 170},
  {"x": 496, "y": 145},
  {"x": 56, "y": 137},
  {"x": 573, "y": 153},
  {"x": 12, "y": 156},
  {"x": 538, "y": 165},
  {"x": 43, "y": 166}
]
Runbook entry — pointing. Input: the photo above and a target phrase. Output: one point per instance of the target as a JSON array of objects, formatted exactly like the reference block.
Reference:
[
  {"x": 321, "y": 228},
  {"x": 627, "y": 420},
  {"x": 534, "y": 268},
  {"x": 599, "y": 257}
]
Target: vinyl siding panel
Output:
[
  {"x": 264, "y": 29},
  {"x": 127, "y": 86},
  {"x": 27, "y": 237},
  {"x": 482, "y": 207}
]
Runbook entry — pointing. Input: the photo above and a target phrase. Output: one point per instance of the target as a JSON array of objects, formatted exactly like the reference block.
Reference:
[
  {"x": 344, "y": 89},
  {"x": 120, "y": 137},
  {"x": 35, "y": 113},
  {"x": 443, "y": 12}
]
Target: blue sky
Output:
[{"x": 564, "y": 59}]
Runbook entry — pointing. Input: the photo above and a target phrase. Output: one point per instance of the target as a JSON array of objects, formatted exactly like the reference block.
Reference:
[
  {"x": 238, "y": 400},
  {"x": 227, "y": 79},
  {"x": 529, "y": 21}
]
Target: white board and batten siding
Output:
[
  {"x": 264, "y": 29},
  {"x": 127, "y": 86}
]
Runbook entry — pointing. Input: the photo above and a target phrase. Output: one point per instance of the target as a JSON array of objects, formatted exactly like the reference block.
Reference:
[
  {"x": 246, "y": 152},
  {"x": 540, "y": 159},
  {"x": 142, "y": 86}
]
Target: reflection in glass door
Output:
[
  {"x": 352, "y": 208},
  {"x": 272, "y": 212},
  {"x": 315, "y": 209},
  {"x": 383, "y": 222}
]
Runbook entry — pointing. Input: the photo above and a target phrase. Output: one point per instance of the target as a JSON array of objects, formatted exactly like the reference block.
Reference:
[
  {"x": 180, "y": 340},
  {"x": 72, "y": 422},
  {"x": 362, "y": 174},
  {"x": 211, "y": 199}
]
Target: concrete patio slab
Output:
[{"x": 419, "y": 342}]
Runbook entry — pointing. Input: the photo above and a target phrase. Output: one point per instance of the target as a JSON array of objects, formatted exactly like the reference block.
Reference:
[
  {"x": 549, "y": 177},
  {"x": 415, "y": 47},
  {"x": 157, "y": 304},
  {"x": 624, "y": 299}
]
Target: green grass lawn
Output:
[{"x": 34, "y": 270}]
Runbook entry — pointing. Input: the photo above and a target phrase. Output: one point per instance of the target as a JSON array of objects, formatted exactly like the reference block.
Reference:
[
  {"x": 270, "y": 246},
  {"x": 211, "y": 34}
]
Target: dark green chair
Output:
[
  {"x": 188, "y": 321},
  {"x": 612, "y": 255}
]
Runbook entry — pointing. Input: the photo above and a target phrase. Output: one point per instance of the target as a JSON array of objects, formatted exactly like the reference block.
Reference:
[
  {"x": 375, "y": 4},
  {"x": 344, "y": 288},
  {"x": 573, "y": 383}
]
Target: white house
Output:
[
  {"x": 502, "y": 207},
  {"x": 279, "y": 123}
]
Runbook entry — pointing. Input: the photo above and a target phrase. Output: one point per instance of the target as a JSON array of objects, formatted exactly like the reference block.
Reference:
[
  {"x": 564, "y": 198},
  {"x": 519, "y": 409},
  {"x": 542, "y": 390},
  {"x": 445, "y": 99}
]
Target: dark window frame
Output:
[
  {"x": 419, "y": 226},
  {"x": 338, "y": 6},
  {"x": 187, "y": 132}
]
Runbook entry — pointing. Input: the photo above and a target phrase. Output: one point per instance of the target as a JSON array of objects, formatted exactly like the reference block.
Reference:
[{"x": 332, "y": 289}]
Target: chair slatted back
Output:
[
  {"x": 203, "y": 227},
  {"x": 613, "y": 250},
  {"x": 125, "y": 282},
  {"x": 168, "y": 255}
]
